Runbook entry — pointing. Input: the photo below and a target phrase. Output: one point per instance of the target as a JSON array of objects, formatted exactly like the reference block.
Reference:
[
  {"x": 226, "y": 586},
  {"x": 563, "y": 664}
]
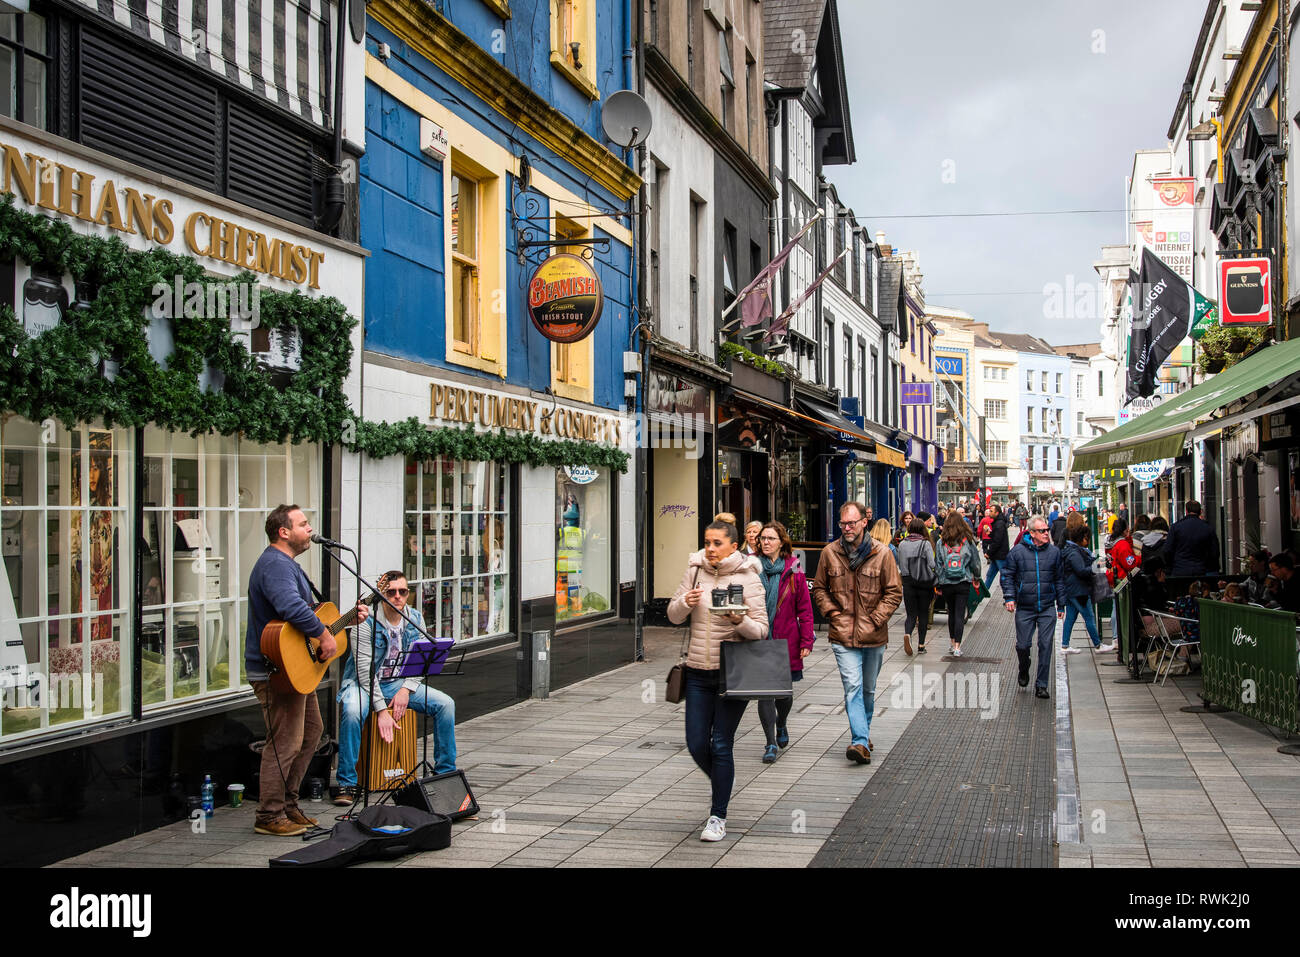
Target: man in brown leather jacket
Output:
[{"x": 856, "y": 589}]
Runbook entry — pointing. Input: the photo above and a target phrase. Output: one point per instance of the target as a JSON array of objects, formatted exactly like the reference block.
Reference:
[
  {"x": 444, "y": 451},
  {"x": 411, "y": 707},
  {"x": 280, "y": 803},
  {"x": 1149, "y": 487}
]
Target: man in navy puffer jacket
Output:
[{"x": 1033, "y": 586}]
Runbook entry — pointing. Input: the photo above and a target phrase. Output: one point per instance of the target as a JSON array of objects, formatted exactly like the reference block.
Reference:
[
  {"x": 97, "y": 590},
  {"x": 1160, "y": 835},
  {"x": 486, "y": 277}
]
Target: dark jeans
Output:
[
  {"x": 1029, "y": 621},
  {"x": 916, "y": 599},
  {"x": 956, "y": 595},
  {"x": 772, "y": 713},
  {"x": 711, "y": 724},
  {"x": 293, "y": 729}
]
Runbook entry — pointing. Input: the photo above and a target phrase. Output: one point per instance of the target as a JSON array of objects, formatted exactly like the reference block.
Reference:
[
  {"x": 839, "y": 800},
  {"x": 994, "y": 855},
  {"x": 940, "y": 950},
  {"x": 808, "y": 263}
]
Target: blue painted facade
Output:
[{"x": 402, "y": 190}]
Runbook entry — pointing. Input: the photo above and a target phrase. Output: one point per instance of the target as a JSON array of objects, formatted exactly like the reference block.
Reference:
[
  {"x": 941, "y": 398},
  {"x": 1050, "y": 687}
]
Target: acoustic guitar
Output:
[{"x": 296, "y": 665}]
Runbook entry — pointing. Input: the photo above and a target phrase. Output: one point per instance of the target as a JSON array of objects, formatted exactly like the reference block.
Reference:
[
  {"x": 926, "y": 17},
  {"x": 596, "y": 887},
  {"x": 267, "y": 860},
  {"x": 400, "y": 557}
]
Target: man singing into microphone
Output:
[
  {"x": 389, "y": 696},
  {"x": 278, "y": 588}
]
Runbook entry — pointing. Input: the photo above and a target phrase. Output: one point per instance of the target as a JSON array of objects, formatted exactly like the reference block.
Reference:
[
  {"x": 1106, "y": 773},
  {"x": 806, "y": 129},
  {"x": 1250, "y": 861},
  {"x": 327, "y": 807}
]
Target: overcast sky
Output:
[{"x": 1030, "y": 119}]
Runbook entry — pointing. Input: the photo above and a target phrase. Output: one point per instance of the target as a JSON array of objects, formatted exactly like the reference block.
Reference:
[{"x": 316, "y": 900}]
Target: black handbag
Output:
[
  {"x": 675, "y": 686},
  {"x": 755, "y": 669}
]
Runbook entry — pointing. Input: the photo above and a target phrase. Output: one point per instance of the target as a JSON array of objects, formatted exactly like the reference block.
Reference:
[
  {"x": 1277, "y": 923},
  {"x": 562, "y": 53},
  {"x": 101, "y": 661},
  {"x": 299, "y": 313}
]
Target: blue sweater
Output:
[
  {"x": 1034, "y": 578},
  {"x": 277, "y": 589}
]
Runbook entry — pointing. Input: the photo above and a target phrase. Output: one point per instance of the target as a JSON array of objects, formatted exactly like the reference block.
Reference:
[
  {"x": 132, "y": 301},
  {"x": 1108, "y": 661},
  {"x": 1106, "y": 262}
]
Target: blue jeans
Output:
[
  {"x": 995, "y": 567},
  {"x": 711, "y": 724},
  {"x": 355, "y": 707},
  {"x": 1044, "y": 622},
  {"x": 1080, "y": 608},
  {"x": 858, "y": 670}
]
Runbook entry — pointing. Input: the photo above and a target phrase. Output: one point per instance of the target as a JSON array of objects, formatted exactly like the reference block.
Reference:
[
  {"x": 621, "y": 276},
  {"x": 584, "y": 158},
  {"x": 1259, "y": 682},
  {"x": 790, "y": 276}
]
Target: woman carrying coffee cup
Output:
[{"x": 711, "y": 721}]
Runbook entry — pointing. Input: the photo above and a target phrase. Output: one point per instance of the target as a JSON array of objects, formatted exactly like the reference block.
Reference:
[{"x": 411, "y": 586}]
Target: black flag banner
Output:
[{"x": 1163, "y": 307}]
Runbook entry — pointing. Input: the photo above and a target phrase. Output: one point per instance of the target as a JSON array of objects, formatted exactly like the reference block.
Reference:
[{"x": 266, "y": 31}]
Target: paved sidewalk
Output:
[
  {"x": 1162, "y": 788},
  {"x": 599, "y": 775},
  {"x": 972, "y": 784}
]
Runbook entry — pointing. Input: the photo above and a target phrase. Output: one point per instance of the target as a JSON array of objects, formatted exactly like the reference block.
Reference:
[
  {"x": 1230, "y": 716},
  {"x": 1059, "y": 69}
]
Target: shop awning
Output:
[
  {"x": 843, "y": 431},
  {"x": 1162, "y": 432}
]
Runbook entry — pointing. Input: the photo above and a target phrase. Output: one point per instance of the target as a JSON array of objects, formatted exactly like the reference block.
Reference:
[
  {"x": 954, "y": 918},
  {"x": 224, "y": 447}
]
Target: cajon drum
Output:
[{"x": 386, "y": 766}]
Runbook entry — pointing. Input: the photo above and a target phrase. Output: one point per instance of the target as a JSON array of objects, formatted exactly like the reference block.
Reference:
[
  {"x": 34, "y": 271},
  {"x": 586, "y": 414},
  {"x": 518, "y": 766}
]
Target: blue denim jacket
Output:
[{"x": 357, "y": 669}]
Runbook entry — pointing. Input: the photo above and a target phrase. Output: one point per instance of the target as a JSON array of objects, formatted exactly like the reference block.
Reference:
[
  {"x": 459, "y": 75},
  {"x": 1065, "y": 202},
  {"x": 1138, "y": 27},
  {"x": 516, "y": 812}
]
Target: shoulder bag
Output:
[{"x": 675, "y": 688}]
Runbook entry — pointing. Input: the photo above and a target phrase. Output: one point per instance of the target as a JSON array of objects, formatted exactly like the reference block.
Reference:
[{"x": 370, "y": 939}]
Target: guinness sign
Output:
[{"x": 565, "y": 298}]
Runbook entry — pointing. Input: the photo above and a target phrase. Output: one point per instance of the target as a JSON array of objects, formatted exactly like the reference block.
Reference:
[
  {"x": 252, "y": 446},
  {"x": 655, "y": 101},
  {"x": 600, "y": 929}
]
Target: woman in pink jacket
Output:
[
  {"x": 711, "y": 720},
  {"x": 789, "y": 609}
]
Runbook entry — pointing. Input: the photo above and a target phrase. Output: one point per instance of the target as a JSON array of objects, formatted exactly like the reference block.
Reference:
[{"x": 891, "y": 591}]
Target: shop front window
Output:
[
  {"x": 584, "y": 516},
  {"x": 65, "y": 604},
  {"x": 206, "y": 499},
  {"x": 456, "y": 557}
]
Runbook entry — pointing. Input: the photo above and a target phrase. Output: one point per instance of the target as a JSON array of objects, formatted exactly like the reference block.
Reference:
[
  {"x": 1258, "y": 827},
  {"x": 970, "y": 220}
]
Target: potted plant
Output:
[{"x": 1237, "y": 343}]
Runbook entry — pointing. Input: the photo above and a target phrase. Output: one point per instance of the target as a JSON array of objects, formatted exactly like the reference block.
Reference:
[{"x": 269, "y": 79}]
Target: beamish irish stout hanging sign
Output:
[{"x": 565, "y": 298}]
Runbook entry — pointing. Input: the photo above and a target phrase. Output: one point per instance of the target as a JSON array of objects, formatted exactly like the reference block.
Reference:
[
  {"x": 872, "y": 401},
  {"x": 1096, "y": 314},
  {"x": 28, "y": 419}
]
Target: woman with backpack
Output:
[
  {"x": 789, "y": 609},
  {"x": 956, "y": 567},
  {"x": 1079, "y": 577},
  {"x": 916, "y": 566}
]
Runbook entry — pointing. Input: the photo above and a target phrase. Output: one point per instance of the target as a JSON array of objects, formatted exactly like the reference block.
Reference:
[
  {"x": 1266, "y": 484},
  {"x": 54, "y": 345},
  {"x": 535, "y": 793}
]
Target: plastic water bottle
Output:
[{"x": 207, "y": 795}]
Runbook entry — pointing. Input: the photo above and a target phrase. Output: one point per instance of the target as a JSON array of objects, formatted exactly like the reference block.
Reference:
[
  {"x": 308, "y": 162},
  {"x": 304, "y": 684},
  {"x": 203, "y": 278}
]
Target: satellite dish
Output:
[{"x": 626, "y": 119}]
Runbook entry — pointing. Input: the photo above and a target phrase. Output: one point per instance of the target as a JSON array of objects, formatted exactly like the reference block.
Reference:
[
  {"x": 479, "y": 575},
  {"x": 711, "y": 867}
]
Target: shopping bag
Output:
[
  {"x": 755, "y": 669},
  {"x": 978, "y": 592}
]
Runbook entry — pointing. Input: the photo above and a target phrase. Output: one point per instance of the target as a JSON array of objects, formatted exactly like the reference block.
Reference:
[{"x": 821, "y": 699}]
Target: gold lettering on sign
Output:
[
  {"x": 68, "y": 191},
  {"x": 22, "y": 171},
  {"x": 191, "y": 237},
  {"x": 450, "y": 404}
]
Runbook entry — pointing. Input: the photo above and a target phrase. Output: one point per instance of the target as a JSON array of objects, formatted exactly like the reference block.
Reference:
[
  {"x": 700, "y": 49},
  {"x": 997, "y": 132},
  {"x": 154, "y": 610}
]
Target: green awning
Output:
[{"x": 1160, "y": 433}]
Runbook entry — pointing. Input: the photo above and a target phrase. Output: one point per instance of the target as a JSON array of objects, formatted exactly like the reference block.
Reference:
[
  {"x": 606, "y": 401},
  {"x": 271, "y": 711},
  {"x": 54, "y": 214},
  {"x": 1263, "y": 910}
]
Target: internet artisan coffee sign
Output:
[{"x": 565, "y": 298}]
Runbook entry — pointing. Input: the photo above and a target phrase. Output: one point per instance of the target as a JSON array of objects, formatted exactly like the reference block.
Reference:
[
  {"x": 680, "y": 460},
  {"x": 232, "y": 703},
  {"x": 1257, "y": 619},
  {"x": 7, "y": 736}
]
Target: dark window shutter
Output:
[
  {"x": 148, "y": 111},
  {"x": 270, "y": 166}
]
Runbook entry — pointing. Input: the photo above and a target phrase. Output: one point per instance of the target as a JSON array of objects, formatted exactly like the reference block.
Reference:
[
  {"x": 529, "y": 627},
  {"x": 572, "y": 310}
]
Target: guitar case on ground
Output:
[{"x": 377, "y": 833}]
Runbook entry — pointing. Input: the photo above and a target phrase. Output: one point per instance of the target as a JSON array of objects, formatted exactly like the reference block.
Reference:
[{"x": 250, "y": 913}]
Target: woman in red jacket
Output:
[
  {"x": 789, "y": 609},
  {"x": 1123, "y": 558}
]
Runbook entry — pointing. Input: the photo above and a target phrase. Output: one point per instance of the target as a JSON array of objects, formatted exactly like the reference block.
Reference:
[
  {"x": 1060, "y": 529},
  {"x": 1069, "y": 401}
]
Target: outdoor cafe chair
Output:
[{"x": 1171, "y": 639}]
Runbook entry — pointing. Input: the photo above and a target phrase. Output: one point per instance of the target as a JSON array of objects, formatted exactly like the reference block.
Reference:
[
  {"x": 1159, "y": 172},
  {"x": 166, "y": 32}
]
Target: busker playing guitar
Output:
[{"x": 278, "y": 588}]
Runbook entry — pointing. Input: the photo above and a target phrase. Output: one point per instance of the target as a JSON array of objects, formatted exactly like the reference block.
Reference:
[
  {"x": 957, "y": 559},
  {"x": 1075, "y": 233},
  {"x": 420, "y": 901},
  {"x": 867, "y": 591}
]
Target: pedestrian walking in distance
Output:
[
  {"x": 916, "y": 567},
  {"x": 856, "y": 589},
  {"x": 997, "y": 546},
  {"x": 1079, "y": 577},
  {"x": 1033, "y": 586},
  {"x": 1192, "y": 549},
  {"x": 711, "y": 721},
  {"x": 789, "y": 610},
  {"x": 956, "y": 568}
]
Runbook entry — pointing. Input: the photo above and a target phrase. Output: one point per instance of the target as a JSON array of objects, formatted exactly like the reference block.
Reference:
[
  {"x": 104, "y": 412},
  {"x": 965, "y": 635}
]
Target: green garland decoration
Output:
[
  {"x": 56, "y": 375},
  {"x": 411, "y": 438}
]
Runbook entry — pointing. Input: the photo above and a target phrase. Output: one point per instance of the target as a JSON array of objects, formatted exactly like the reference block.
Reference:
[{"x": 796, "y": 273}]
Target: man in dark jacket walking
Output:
[
  {"x": 997, "y": 547},
  {"x": 1192, "y": 549},
  {"x": 1033, "y": 581}
]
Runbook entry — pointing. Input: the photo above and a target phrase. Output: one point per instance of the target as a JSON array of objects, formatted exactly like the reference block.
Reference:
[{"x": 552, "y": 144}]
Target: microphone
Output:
[{"x": 328, "y": 542}]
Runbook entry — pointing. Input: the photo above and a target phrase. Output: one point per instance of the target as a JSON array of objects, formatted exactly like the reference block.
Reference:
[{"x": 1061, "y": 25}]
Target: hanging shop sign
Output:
[
  {"x": 1245, "y": 292},
  {"x": 581, "y": 474},
  {"x": 1149, "y": 471},
  {"x": 918, "y": 393},
  {"x": 565, "y": 298}
]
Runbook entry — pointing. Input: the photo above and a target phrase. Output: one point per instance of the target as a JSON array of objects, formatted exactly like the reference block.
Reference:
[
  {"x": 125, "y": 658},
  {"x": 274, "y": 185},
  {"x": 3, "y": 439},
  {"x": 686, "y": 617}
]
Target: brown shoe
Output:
[
  {"x": 907, "y": 645},
  {"x": 858, "y": 753},
  {"x": 295, "y": 815},
  {"x": 280, "y": 827}
]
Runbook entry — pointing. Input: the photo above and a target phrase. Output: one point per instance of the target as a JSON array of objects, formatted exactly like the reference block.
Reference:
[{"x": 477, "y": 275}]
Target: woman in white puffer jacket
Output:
[{"x": 711, "y": 721}]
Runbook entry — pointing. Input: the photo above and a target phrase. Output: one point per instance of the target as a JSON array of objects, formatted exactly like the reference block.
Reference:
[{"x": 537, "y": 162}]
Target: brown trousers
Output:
[{"x": 293, "y": 729}]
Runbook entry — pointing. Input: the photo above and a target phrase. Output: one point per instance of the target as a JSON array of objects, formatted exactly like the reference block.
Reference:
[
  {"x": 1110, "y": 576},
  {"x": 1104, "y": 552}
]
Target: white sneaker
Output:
[
  {"x": 956, "y": 652},
  {"x": 715, "y": 829},
  {"x": 1071, "y": 651},
  {"x": 1102, "y": 649}
]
